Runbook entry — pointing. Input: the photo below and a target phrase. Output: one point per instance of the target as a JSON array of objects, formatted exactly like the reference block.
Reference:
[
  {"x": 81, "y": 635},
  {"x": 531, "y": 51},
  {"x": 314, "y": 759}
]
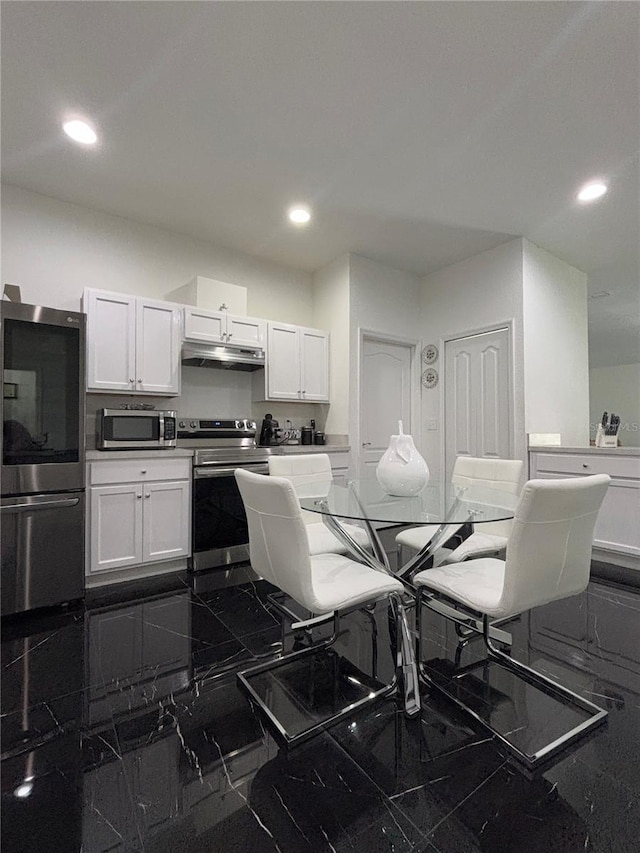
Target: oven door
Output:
[{"x": 220, "y": 535}]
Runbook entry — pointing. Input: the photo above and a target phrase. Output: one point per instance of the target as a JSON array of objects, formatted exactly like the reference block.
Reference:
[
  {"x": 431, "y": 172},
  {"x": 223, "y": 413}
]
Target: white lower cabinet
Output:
[
  {"x": 144, "y": 519},
  {"x": 617, "y": 531}
]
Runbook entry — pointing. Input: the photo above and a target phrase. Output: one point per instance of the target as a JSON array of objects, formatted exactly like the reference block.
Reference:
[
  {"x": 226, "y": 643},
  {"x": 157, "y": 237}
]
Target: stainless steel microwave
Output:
[{"x": 135, "y": 429}]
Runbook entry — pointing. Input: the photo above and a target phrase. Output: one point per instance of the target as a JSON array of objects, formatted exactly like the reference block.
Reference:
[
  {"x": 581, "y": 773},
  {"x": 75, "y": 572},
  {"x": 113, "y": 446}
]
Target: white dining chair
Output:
[
  {"x": 491, "y": 537},
  {"x": 320, "y": 583},
  {"x": 548, "y": 557},
  {"x": 311, "y": 476}
]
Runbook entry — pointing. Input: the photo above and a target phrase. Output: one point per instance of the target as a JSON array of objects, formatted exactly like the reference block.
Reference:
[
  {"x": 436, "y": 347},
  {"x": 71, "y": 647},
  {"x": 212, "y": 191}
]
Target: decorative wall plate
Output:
[
  {"x": 430, "y": 378},
  {"x": 430, "y": 354}
]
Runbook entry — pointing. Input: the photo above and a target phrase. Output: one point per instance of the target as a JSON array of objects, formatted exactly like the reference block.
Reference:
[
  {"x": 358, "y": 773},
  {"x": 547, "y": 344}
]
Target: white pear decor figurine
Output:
[{"x": 402, "y": 471}]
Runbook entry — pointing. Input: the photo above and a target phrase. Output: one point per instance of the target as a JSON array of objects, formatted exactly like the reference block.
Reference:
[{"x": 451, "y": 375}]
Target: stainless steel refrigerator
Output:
[{"x": 43, "y": 480}]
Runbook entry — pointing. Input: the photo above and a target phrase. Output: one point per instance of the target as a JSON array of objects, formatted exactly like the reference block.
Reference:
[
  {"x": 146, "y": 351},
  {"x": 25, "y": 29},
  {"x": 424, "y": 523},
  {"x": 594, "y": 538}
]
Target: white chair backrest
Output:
[
  {"x": 310, "y": 474},
  {"x": 501, "y": 474},
  {"x": 549, "y": 550},
  {"x": 278, "y": 544}
]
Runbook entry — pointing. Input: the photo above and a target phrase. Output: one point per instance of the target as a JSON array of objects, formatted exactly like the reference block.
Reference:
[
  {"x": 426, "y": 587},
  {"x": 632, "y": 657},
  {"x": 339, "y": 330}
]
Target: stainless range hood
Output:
[{"x": 222, "y": 357}]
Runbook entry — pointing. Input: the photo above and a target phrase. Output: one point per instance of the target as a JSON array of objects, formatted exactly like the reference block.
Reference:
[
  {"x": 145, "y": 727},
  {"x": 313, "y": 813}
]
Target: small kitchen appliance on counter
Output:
[
  {"x": 219, "y": 525},
  {"x": 269, "y": 432},
  {"x": 135, "y": 429}
]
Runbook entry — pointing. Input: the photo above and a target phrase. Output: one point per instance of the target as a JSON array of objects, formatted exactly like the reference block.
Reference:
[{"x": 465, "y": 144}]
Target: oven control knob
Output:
[
  {"x": 181, "y": 424},
  {"x": 239, "y": 425},
  {"x": 193, "y": 424}
]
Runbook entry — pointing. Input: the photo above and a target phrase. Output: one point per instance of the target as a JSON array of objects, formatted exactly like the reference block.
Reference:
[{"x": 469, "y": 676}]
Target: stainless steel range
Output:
[{"x": 219, "y": 523}]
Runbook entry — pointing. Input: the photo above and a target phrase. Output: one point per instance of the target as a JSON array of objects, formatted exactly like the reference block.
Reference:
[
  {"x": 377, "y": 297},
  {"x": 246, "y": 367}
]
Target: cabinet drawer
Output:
[
  {"x": 565, "y": 463},
  {"x": 138, "y": 470}
]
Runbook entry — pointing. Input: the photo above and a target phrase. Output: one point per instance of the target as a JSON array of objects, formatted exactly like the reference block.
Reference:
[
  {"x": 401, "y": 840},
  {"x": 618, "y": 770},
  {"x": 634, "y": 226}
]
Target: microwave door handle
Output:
[{"x": 160, "y": 429}]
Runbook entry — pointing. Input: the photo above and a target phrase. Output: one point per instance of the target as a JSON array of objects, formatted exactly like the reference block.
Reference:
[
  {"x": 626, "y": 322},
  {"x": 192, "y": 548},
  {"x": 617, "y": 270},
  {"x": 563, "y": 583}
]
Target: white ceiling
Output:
[{"x": 420, "y": 133}]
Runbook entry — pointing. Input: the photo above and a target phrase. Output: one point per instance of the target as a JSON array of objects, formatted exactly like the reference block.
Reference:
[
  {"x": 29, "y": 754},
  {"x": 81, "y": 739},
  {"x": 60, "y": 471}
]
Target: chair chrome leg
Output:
[
  {"x": 285, "y": 737},
  {"x": 406, "y": 660},
  {"x": 547, "y": 685}
]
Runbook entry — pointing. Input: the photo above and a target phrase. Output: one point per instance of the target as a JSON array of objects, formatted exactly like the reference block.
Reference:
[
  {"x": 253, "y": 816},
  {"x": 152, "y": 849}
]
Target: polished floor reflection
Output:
[{"x": 123, "y": 729}]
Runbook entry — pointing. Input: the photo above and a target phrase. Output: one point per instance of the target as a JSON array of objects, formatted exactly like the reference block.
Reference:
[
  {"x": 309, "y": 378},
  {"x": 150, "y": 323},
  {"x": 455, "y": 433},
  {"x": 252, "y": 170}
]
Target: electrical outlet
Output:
[{"x": 432, "y": 423}]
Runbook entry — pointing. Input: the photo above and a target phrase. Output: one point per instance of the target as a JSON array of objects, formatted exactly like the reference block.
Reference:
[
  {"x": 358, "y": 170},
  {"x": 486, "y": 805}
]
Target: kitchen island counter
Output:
[{"x": 600, "y": 451}]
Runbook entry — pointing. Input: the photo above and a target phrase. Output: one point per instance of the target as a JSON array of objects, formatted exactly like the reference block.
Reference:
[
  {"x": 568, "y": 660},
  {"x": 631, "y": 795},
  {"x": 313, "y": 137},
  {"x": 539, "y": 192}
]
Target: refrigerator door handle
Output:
[{"x": 45, "y": 503}]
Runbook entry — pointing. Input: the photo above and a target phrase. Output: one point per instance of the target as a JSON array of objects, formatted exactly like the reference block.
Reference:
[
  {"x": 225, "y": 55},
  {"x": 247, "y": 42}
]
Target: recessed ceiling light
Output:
[
  {"x": 592, "y": 191},
  {"x": 80, "y": 131},
  {"x": 299, "y": 215}
]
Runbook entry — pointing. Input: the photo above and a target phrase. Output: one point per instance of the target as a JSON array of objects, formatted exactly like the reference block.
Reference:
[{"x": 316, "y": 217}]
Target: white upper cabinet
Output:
[
  {"x": 314, "y": 365},
  {"x": 219, "y": 327},
  {"x": 133, "y": 344},
  {"x": 297, "y": 364}
]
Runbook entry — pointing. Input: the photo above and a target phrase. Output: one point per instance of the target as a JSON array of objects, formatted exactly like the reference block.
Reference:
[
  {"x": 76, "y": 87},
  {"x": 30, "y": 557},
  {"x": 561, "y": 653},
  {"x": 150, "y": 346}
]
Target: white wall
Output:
[
  {"x": 556, "y": 347},
  {"x": 482, "y": 292},
  {"x": 616, "y": 389},
  {"x": 54, "y": 250},
  {"x": 331, "y": 311},
  {"x": 382, "y": 299}
]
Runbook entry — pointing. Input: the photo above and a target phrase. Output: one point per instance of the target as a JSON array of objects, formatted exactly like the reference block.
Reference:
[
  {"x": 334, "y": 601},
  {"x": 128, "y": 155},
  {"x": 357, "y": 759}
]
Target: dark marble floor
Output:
[{"x": 124, "y": 730}]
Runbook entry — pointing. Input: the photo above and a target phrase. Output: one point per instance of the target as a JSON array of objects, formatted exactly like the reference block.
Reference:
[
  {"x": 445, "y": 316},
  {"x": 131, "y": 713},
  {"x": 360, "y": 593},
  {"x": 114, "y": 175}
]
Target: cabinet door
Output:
[
  {"x": 166, "y": 521},
  {"x": 116, "y": 526},
  {"x": 157, "y": 347},
  {"x": 245, "y": 331},
  {"x": 283, "y": 362},
  {"x": 314, "y": 362},
  {"x": 206, "y": 326},
  {"x": 111, "y": 336},
  {"x": 617, "y": 527}
]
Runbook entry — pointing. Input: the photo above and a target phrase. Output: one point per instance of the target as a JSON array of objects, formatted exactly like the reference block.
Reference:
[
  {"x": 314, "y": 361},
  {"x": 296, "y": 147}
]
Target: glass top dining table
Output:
[
  {"x": 443, "y": 504},
  {"x": 437, "y": 503}
]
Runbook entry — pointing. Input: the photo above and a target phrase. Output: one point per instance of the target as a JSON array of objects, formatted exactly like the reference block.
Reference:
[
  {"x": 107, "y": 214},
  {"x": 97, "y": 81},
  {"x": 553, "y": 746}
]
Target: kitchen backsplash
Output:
[{"x": 219, "y": 393}]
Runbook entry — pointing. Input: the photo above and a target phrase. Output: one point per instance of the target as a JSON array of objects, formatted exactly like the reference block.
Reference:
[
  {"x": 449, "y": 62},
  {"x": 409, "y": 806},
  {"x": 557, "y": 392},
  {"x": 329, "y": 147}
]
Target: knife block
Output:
[{"x": 603, "y": 440}]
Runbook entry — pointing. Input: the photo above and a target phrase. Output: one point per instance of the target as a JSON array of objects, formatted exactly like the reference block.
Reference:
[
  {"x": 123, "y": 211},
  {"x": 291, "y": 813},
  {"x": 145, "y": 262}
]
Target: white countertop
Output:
[
  {"x": 167, "y": 453},
  {"x": 599, "y": 451}
]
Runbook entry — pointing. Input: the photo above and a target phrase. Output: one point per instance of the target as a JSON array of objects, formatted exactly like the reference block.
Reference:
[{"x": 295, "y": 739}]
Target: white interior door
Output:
[
  {"x": 385, "y": 398},
  {"x": 478, "y": 397}
]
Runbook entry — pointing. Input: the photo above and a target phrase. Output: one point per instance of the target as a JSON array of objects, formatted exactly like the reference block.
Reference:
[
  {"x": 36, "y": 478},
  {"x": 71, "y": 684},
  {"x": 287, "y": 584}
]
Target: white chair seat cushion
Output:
[
  {"x": 322, "y": 540},
  {"x": 417, "y": 537},
  {"x": 477, "y": 545},
  {"x": 339, "y": 582},
  {"x": 477, "y": 583}
]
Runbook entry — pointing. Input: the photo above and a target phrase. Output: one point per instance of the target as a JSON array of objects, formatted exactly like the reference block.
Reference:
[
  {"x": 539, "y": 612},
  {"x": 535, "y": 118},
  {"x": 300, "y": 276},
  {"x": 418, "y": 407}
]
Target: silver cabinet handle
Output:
[
  {"x": 139, "y": 381},
  {"x": 132, "y": 381},
  {"x": 584, "y": 465},
  {"x": 143, "y": 471},
  {"x": 148, "y": 495},
  {"x": 229, "y": 336},
  {"x": 139, "y": 497},
  {"x": 366, "y": 444}
]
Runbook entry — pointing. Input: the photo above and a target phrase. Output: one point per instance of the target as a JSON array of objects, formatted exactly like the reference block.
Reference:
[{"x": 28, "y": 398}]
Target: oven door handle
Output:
[{"x": 208, "y": 473}]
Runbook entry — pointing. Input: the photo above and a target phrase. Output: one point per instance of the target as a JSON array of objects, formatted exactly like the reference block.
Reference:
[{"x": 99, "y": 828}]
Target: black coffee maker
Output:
[{"x": 268, "y": 432}]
